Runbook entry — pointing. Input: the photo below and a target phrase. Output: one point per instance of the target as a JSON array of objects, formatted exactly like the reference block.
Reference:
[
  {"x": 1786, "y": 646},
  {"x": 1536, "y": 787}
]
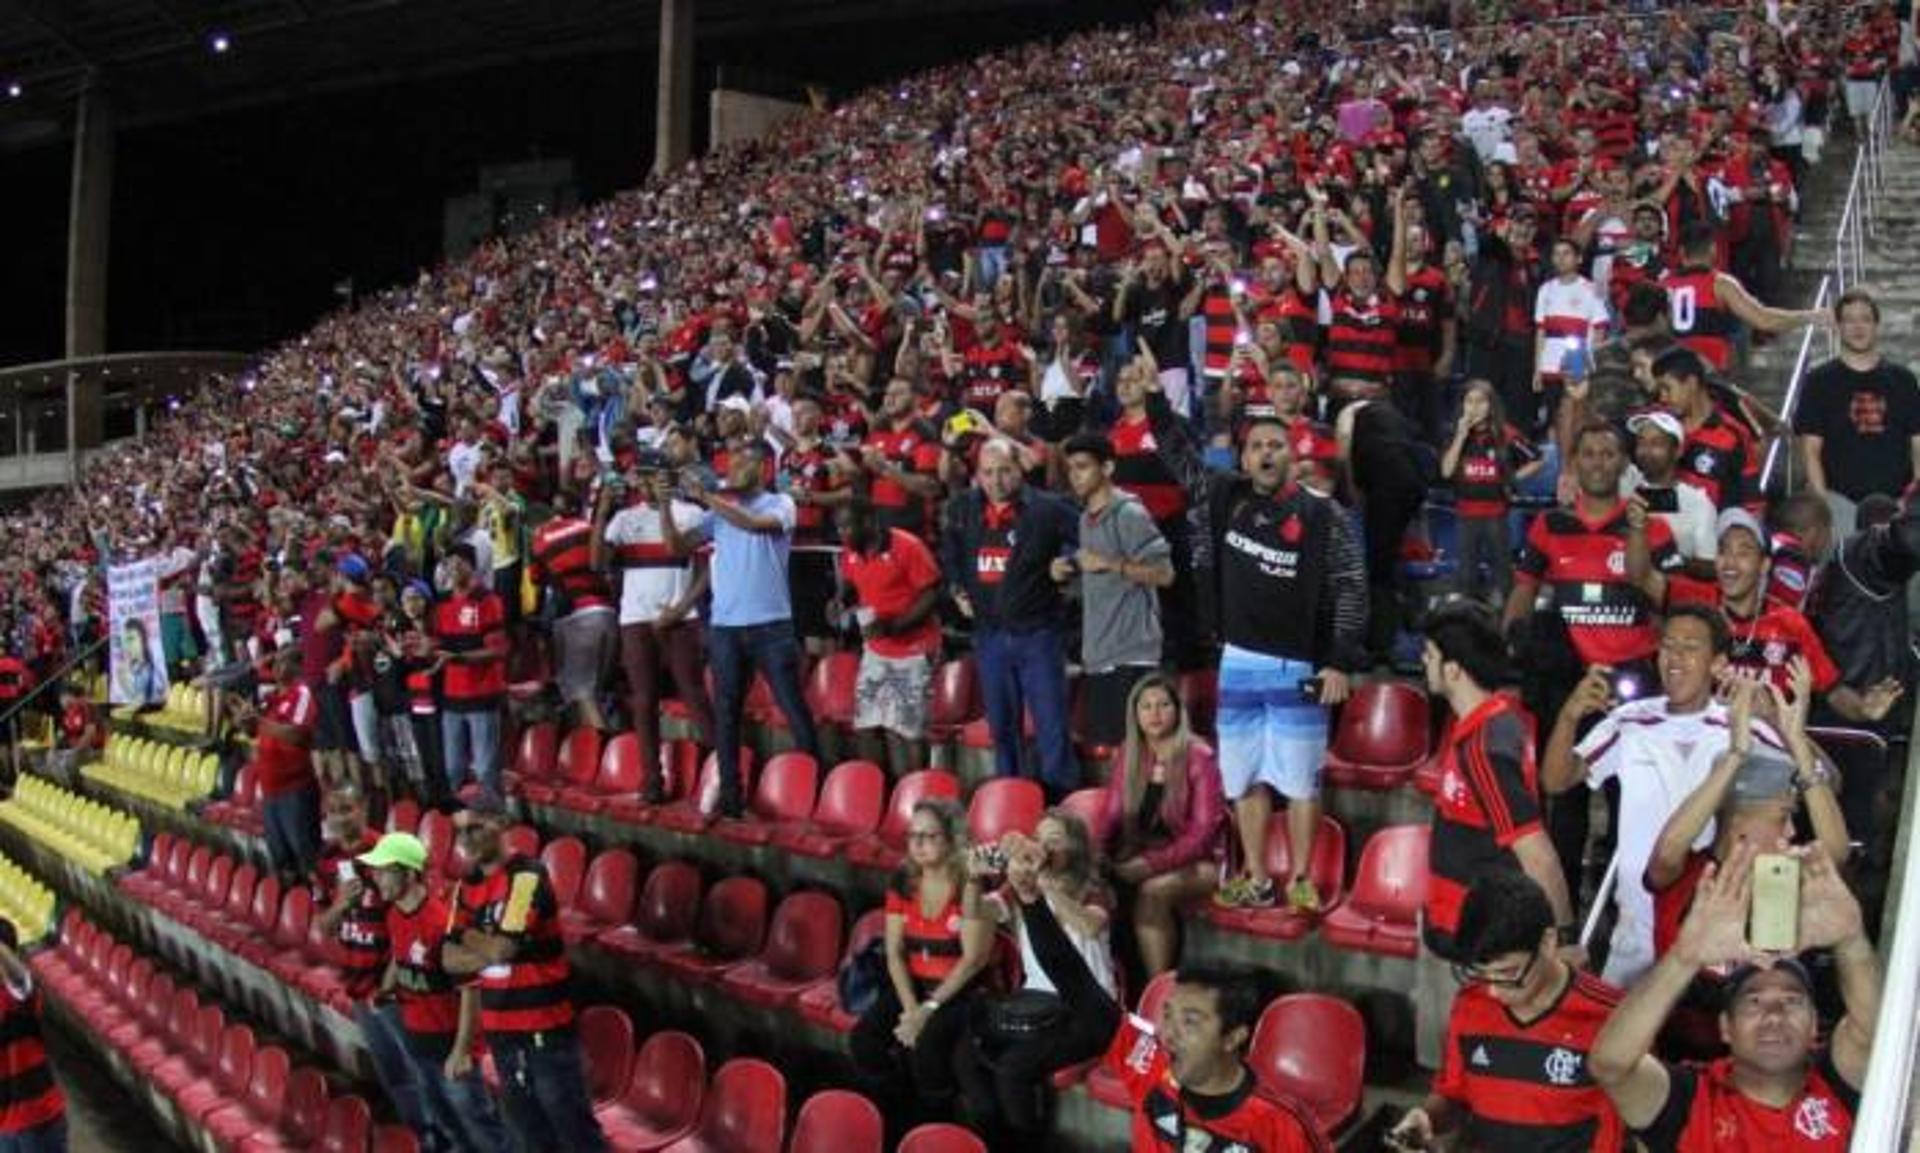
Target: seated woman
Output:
[
  {"x": 1067, "y": 1009},
  {"x": 1165, "y": 814},
  {"x": 938, "y": 940}
]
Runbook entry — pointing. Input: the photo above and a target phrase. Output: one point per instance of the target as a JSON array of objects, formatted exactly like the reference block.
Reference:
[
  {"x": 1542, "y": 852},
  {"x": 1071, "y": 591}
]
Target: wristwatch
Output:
[{"x": 1812, "y": 778}]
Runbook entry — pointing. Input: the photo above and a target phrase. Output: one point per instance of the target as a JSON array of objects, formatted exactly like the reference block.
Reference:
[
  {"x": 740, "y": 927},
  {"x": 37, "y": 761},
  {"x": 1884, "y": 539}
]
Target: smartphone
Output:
[
  {"x": 1659, "y": 499},
  {"x": 1626, "y": 687},
  {"x": 1774, "y": 922}
]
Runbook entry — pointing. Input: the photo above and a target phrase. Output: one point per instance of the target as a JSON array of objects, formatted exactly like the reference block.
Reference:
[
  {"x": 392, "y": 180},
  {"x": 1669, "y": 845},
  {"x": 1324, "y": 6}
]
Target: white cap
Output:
[{"x": 1661, "y": 419}]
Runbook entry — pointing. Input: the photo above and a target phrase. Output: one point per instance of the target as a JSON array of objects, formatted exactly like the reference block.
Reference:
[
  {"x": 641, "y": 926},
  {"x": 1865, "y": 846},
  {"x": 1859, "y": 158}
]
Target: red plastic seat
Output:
[
  {"x": 1381, "y": 737},
  {"x": 677, "y": 772},
  {"x": 521, "y": 841},
  {"x": 850, "y": 803},
  {"x": 606, "y": 1042},
  {"x": 395, "y": 1139},
  {"x": 663, "y": 917},
  {"x": 1312, "y": 1048},
  {"x": 403, "y": 816},
  {"x": 620, "y": 775},
  {"x": 1004, "y": 805},
  {"x": 955, "y": 699},
  {"x": 836, "y": 1121},
  {"x": 940, "y": 1137},
  {"x": 289, "y": 931},
  {"x": 578, "y": 763},
  {"x": 663, "y": 1096},
  {"x": 1380, "y": 914},
  {"x": 782, "y": 796},
  {"x": 565, "y": 859},
  {"x": 606, "y": 896},
  {"x": 436, "y": 834},
  {"x": 803, "y": 942},
  {"x": 534, "y": 756},
  {"x": 732, "y": 927},
  {"x": 234, "y": 919},
  {"x": 829, "y": 689},
  {"x": 887, "y": 845},
  {"x": 349, "y": 1127},
  {"x": 191, "y": 1053},
  {"x": 260, "y": 1108},
  {"x": 139, "y": 882},
  {"x": 745, "y": 1111},
  {"x": 264, "y": 913},
  {"x": 232, "y": 1069},
  {"x": 1090, "y": 805},
  {"x": 1326, "y": 868},
  {"x": 819, "y": 1003},
  {"x": 302, "y": 1119},
  {"x": 684, "y": 815}
]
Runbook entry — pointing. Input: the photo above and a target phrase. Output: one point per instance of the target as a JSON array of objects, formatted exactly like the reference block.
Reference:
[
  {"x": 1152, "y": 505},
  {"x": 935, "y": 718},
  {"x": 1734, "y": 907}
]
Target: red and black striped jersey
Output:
[
  {"x": 1717, "y": 459},
  {"x": 530, "y": 993},
  {"x": 1525, "y": 1086},
  {"x": 1487, "y": 463},
  {"x": 360, "y": 939},
  {"x": 1489, "y": 798},
  {"x": 562, "y": 556},
  {"x": 1706, "y": 1113},
  {"x": 1583, "y": 563},
  {"x": 1426, "y": 308},
  {"x": 1363, "y": 337},
  {"x": 1700, "y": 319},
  {"x": 1139, "y": 468},
  {"x": 1769, "y": 642},
  {"x": 29, "y": 1095}
]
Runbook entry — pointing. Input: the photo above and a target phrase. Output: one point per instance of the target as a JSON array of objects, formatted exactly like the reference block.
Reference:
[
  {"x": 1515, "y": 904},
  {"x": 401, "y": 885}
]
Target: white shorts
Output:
[
  {"x": 1269, "y": 733},
  {"x": 891, "y": 693}
]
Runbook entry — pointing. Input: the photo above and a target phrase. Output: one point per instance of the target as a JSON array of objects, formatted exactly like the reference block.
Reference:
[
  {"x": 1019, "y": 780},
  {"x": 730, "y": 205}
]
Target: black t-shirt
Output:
[
  {"x": 1866, "y": 421},
  {"x": 1155, "y": 316}
]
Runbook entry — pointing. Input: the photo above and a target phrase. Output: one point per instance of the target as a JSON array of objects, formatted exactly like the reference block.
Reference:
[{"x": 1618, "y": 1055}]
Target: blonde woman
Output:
[
  {"x": 938, "y": 941},
  {"x": 1164, "y": 815}
]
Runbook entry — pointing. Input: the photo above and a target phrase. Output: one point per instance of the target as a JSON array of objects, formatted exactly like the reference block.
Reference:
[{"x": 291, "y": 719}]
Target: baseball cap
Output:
[
  {"x": 1733, "y": 518},
  {"x": 1658, "y": 418},
  {"x": 396, "y": 850},
  {"x": 353, "y": 566},
  {"x": 1792, "y": 966},
  {"x": 737, "y": 404}
]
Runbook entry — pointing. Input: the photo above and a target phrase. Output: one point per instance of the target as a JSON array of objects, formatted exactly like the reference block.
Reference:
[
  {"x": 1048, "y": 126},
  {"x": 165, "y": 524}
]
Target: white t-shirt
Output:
[
  {"x": 661, "y": 579},
  {"x": 1568, "y": 313},
  {"x": 1659, "y": 758},
  {"x": 463, "y": 461},
  {"x": 1488, "y": 129}
]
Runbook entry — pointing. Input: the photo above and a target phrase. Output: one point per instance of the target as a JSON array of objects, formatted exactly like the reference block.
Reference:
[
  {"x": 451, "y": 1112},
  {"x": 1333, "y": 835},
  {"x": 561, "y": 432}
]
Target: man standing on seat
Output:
[
  {"x": 506, "y": 939},
  {"x": 751, "y": 629},
  {"x": 1290, "y": 595},
  {"x": 1001, "y": 540}
]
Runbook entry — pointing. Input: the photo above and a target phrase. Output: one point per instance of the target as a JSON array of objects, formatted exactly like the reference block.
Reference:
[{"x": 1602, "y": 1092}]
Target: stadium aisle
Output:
[{"x": 101, "y": 1118}]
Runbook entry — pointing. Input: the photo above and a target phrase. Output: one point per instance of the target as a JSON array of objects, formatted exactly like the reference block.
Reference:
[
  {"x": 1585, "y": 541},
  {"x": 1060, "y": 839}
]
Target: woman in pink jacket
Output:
[{"x": 1164, "y": 814}]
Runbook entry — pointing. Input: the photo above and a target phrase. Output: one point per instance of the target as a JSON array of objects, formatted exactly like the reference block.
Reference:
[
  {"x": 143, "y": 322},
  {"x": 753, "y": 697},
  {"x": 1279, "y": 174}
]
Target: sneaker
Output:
[
  {"x": 1302, "y": 897},
  {"x": 1244, "y": 893}
]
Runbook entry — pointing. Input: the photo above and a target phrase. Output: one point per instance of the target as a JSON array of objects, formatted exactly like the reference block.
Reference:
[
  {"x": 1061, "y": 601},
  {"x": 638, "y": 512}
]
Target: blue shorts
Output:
[{"x": 1269, "y": 733}]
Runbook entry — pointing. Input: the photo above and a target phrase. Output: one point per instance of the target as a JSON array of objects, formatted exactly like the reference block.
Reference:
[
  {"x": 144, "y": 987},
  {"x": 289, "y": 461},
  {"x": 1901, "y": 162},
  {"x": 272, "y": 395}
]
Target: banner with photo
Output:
[{"x": 136, "y": 660}]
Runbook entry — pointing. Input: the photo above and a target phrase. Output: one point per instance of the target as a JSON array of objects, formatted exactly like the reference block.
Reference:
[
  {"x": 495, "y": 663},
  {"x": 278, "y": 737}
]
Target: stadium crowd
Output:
[{"x": 1230, "y": 345}]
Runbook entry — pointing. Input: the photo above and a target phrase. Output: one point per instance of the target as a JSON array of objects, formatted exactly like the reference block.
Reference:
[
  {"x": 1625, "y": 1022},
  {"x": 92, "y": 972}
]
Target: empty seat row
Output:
[
  {"x": 169, "y": 775},
  {"x": 84, "y": 831},
  {"x": 210, "y": 1077},
  {"x": 25, "y": 902},
  {"x": 184, "y": 712}
]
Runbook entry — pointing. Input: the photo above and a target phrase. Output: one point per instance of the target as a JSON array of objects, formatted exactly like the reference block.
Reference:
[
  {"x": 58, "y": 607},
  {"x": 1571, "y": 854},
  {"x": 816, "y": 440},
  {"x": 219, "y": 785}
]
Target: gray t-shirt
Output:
[{"x": 1120, "y": 619}]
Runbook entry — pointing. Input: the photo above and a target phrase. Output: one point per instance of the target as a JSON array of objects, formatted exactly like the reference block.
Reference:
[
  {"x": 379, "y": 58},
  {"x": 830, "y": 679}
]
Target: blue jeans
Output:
[
  {"x": 544, "y": 1078},
  {"x": 735, "y": 652},
  {"x": 386, "y": 1043},
  {"x": 1027, "y": 670},
  {"x": 292, "y": 823},
  {"x": 462, "y": 1111},
  {"x": 48, "y": 1138},
  {"x": 471, "y": 741},
  {"x": 989, "y": 264}
]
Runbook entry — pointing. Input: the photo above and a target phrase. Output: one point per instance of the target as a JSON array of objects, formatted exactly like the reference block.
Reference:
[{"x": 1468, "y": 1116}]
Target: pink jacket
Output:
[{"x": 1194, "y": 815}]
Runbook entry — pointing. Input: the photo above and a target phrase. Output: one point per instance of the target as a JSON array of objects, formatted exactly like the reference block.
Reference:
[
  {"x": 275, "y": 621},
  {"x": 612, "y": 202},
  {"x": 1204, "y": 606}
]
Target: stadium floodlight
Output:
[
  {"x": 220, "y": 42},
  {"x": 15, "y": 91}
]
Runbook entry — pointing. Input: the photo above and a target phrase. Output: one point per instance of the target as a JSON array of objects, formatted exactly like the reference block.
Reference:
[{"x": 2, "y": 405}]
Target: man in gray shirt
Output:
[{"x": 1122, "y": 561}]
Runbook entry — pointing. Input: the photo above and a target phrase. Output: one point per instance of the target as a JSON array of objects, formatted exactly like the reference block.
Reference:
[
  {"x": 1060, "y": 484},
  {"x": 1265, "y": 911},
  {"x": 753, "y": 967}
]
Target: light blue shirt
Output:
[{"x": 749, "y": 569}]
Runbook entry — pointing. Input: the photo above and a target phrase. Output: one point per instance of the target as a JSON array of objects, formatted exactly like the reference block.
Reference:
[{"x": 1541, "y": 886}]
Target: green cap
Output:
[{"x": 396, "y": 850}]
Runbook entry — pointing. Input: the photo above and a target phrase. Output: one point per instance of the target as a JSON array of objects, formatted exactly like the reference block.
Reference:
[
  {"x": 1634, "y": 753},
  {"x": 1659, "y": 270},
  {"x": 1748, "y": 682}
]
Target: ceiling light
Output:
[{"x": 220, "y": 42}]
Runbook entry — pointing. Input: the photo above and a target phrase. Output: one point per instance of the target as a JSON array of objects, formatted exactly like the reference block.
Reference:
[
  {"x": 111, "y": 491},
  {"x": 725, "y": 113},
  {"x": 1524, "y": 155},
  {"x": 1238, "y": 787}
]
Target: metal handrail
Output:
[
  {"x": 1788, "y": 404},
  {"x": 1889, "y": 1085},
  {"x": 59, "y": 676}
]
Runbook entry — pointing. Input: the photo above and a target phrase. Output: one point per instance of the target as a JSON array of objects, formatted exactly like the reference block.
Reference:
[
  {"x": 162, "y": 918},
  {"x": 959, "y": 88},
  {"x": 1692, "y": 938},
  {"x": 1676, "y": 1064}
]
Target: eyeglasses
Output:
[
  {"x": 926, "y": 835},
  {"x": 1475, "y": 975}
]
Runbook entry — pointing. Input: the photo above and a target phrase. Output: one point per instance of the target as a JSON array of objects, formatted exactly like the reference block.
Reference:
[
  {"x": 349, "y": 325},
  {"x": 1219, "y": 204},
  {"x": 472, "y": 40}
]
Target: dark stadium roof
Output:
[{"x": 158, "y": 57}]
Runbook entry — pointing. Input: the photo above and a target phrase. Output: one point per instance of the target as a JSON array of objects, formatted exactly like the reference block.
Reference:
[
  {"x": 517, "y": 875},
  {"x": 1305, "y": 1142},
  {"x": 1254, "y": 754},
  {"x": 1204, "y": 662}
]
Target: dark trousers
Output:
[
  {"x": 543, "y": 1080},
  {"x": 1027, "y": 671},
  {"x": 427, "y": 745},
  {"x": 737, "y": 652},
  {"x": 1418, "y": 395},
  {"x": 1387, "y": 513},
  {"x": 929, "y": 1066},
  {"x": 645, "y": 649},
  {"x": 292, "y": 822},
  {"x": 1011, "y": 1087},
  {"x": 1508, "y": 366}
]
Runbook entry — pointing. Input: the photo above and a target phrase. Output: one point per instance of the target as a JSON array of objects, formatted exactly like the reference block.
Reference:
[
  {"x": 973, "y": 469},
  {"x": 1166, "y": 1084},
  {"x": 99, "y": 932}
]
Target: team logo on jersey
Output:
[
  {"x": 1148, "y": 444},
  {"x": 1617, "y": 562},
  {"x": 1480, "y": 1058},
  {"x": 469, "y": 616},
  {"x": 1290, "y": 530},
  {"x": 1814, "y": 1119},
  {"x": 1562, "y": 1067},
  {"x": 1703, "y": 462},
  {"x": 1775, "y": 653}
]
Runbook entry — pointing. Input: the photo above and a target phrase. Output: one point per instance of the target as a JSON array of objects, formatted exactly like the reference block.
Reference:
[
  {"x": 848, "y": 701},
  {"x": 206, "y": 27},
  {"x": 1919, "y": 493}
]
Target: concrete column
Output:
[
  {"x": 89, "y": 214},
  {"x": 673, "y": 125}
]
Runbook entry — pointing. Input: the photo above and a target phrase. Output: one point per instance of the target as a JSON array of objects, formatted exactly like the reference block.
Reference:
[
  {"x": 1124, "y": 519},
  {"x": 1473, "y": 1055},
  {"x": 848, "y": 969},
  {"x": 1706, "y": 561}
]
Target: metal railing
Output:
[
  {"x": 1885, "y": 1098},
  {"x": 1859, "y": 224}
]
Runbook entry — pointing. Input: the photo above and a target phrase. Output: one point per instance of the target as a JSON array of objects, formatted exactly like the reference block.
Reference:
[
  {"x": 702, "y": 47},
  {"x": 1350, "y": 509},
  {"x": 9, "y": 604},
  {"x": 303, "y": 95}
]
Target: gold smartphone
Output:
[{"x": 1774, "y": 922}]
